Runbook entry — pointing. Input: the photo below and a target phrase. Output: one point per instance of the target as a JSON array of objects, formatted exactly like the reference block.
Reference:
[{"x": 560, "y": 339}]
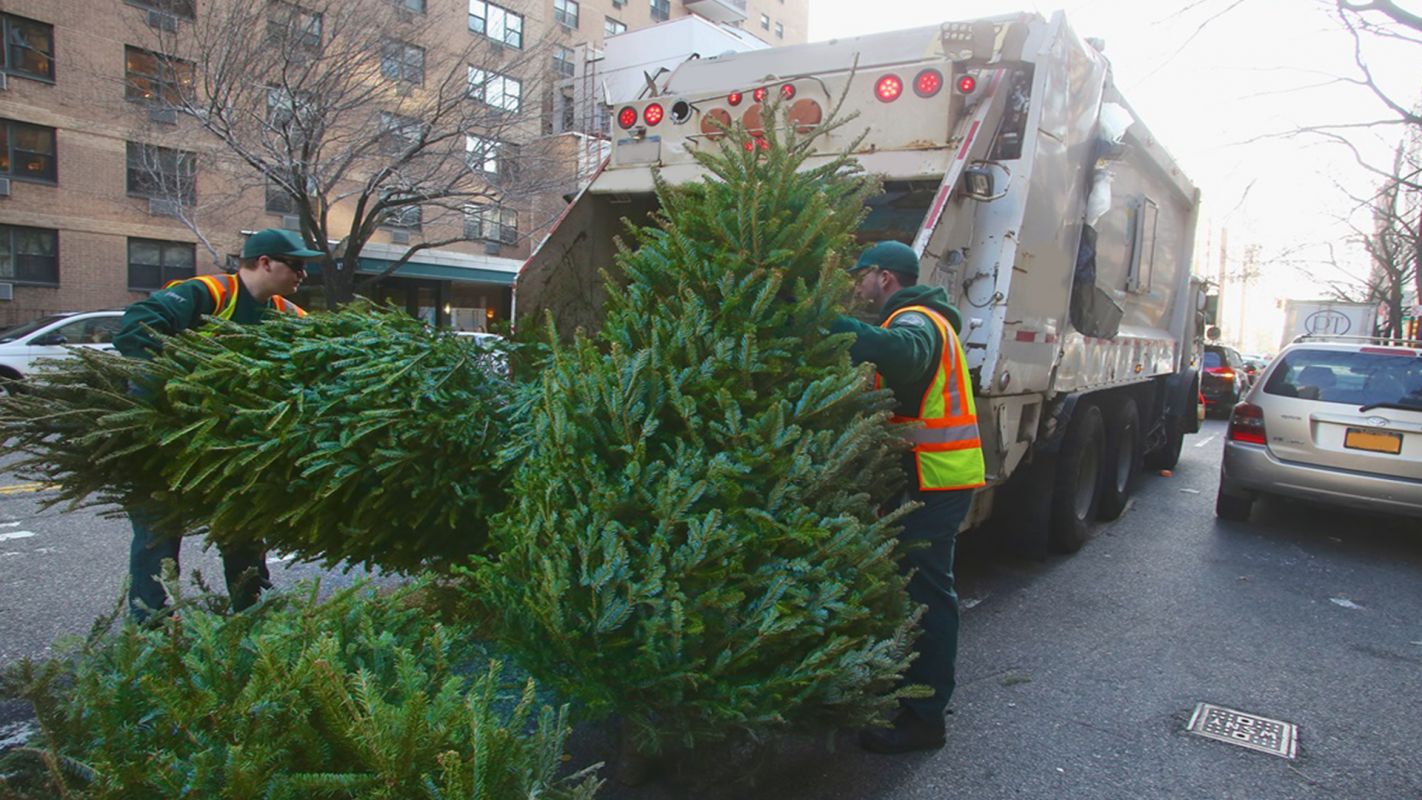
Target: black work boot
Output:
[{"x": 909, "y": 733}]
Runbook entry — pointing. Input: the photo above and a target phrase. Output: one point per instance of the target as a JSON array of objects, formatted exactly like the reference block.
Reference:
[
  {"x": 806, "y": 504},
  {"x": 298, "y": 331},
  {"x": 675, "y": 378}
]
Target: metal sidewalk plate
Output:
[{"x": 1246, "y": 730}]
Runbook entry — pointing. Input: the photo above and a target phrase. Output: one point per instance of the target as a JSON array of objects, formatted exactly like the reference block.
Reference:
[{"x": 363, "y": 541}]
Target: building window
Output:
[
  {"x": 152, "y": 263},
  {"x": 496, "y": 22},
  {"x": 27, "y": 152},
  {"x": 566, "y": 12},
  {"x": 661, "y": 10},
  {"x": 491, "y": 223},
  {"x": 161, "y": 172},
  {"x": 291, "y": 26},
  {"x": 612, "y": 27},
  {"x": 494, "y": 89},
  {"x": 563, "y": 61},
  {"x": 178, "y": 8},
  {"x": 29, "y": 47},
  {"x": 408, "y": 217},
  {"x": 399, "y": 134},
  {"x": 154, "y": 78},
  {"x": 402, "y": 62},
  {"x": 277, "y": 200},
  {"x": 619, "y": 3},
  {"x": 780, "y": 30},
  {"x": 490, "y": 156},
  {"x": 29, "y": 255},
  {"x": 764, "y": 22},
  {"x": 418, "y": 6}
]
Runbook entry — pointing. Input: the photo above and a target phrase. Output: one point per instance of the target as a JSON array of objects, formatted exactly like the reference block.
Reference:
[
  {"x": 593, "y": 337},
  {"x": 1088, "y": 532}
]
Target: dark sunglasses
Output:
[{"x": 294, "y": 266}]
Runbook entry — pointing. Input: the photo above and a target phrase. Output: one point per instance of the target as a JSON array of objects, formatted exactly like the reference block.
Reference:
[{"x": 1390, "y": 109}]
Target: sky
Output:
[{"x": 1222, "y": 84}]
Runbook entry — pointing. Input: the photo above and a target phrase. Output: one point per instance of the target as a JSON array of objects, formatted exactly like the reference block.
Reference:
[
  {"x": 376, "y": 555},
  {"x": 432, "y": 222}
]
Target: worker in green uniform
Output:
[
  {"x": 918, "y": 356},
  {"x": 272, "y": 265}
]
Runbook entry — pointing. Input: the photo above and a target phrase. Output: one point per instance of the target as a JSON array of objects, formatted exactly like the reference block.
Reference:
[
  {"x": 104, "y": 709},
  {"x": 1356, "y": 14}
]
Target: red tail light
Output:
[
  {"x": 787, "y": 91},
  {"x": 1223, "y": 372},
  {"x": 627, "y": 117},
  {"x": 1246, "y": 424},
  {"x": 759, "y": 95},
  {"x": 928, "y": 83},
  {"x": 888, "y": 88},
  {"x": 734, "y": 98},
  {"x": 967, "y": 84},
  {"x": 653, "y": 114}
]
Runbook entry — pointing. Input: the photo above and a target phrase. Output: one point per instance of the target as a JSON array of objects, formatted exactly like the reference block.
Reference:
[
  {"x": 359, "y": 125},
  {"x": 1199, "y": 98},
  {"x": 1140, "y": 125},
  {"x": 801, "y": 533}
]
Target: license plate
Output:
[{"x": 1375, "y": 441}]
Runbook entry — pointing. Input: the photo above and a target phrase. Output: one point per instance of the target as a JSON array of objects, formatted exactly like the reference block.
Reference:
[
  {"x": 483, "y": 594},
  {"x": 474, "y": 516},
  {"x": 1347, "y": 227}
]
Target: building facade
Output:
[{"x": 106, "y": 194}]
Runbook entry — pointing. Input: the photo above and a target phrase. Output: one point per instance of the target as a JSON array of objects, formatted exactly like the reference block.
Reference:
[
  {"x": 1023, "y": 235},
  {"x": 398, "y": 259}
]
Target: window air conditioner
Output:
[
  {"x": 291, "y": 222},
  {"x": 4, "y": 187},
  {"x": 7, "y": 291},
  {"x": 162, "y": 21},
  {"x": 4, "y": 81},
  {"x": 491, "y": 248},
  {"x": 163, "y": 115},
  {"x": 400, "y": 237}
]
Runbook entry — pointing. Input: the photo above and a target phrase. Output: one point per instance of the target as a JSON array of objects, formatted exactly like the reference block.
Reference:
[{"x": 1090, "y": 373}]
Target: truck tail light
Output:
[
  {"x": 928, "y": 83},
  {"x": 734, "y": 98},
  {"x": 787, "y": 91},
  {"x": 653, "y": 114},
  {"x": 759, "y": 95},
  {"x": 966, "y": 84},
  {"x": 627, "y": 117},
  {"x": 888, "y": 88},
  {"x": 1246, "y": 424}
]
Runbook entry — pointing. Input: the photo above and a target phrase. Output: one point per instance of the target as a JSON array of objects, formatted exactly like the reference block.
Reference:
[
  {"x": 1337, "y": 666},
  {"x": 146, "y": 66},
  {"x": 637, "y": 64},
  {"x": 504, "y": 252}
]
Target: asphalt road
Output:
[{"x": 1077, "y": 675}]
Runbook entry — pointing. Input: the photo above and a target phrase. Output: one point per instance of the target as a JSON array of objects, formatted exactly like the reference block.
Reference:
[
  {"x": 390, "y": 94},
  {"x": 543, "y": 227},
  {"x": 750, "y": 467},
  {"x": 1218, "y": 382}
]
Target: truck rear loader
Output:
[{"x": 1031, "y": 191}]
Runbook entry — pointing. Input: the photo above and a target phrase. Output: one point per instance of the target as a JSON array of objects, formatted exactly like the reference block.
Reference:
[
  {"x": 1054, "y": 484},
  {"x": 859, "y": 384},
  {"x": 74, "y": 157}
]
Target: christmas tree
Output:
[
  {"x": 692, "y": 541},
  {"x": 357, "y": 435}
]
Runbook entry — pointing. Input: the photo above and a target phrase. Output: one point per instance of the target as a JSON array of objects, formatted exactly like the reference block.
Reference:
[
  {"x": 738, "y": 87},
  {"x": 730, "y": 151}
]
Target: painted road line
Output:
[
  {"x": 9, "y": 524},
  {"x": 18, "y": 488},
  {"x": 1205, "y": 442},
  {"x": 5, "y": 537}
]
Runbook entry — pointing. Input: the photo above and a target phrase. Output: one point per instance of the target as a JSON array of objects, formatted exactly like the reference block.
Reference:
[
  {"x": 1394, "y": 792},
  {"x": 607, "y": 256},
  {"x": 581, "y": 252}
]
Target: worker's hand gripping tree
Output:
[{"x": 692, "y": 539}]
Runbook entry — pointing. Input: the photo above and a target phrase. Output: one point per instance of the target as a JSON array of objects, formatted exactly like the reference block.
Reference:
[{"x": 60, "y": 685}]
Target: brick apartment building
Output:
[{"x": 84, "y": 224}]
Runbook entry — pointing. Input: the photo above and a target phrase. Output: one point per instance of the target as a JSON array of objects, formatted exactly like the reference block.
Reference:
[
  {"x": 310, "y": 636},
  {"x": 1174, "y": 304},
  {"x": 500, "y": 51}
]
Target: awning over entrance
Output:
[{"x": 443, "y": 265}]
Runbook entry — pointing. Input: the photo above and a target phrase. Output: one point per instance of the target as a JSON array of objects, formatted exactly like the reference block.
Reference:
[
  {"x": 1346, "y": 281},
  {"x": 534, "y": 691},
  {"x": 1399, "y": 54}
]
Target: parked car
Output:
[
  {"x": 1339, "y": 423},
  {"x": 1223, "y": 380},
  {"x": 51, "y": 336}
]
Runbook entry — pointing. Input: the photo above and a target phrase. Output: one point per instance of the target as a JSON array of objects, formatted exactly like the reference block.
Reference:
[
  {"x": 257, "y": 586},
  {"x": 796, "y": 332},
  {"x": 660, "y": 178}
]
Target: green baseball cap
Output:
[
  {"x": 277, "y": 242},
  {"x": 892, "y": 256}
]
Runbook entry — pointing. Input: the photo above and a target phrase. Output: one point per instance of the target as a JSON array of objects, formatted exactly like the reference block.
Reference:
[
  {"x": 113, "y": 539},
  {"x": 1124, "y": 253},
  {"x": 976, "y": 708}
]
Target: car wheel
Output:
[
  {"x": 1233, "y": 507},
  {"x": 1076, "y": 485},
  {"x": 1122, "y": 461}
]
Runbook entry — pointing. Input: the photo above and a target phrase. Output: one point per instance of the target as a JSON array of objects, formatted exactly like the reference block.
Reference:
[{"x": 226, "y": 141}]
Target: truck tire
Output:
[
  {"x": 1168, "y": 454},
  {"x": 1076, "y": 482},
  {"x": 1233, "y": 507},
  {"x": 1122, "y": 460}
]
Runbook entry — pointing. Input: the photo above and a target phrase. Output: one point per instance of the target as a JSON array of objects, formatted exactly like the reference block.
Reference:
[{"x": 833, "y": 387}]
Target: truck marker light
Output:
[
  {"x": 759, "y": 95},
  {"x": 888, "y": 88},
  {"x": 653, "y": 114},
  {"x": 627, "y": 117},
  {"x": 787, "y": 91},
  {"x": 734, "y": 98},
  {"x": 967, "y": 84},
  {"x": 928, "y": 83}
]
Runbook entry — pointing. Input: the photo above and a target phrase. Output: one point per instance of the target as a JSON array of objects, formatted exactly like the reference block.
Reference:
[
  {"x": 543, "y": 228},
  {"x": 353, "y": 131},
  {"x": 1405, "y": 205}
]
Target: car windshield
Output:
[
  {"x": 20, "y": 331},
  {"x": 1213, "y": 359},
  {"x": 1350, "y": 377}
]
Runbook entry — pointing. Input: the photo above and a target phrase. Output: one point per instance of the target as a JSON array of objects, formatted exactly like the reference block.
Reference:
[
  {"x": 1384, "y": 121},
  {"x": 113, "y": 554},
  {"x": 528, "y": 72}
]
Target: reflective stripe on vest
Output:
[
  {"x": 946, "y": 449},
  {"x": 223, "y": 290}
]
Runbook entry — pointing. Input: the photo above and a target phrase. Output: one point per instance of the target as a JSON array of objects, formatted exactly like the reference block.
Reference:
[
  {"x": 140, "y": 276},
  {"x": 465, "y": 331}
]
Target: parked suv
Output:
[
  {"x": 1223, "y": 380},
  {"x": 1332, "y": 421},
  {"x": 47, "y": 337}
]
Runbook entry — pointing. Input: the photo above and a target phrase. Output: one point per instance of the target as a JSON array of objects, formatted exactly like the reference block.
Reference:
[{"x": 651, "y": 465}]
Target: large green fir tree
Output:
[{"x": 693, "y": 541}]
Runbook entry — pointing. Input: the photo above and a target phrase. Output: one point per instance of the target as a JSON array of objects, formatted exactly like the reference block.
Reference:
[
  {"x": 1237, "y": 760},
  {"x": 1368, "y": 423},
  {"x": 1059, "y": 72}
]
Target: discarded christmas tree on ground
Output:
[
  {"x": 362, "y": 696},
  {"x": 693, "y": 540},
  {"x": 357, "y": 435}
]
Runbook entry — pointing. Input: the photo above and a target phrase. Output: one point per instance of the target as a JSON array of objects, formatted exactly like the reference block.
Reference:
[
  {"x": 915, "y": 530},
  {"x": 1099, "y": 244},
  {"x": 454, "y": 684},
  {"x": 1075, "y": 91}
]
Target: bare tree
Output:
[{"x": 349, "y": 115}]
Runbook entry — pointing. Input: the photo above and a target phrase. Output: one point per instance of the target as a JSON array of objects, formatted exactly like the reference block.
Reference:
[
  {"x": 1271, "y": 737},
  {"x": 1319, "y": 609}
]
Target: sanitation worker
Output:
[
  {"x": 916, "y": 351},
  {"x": 272, "y": 265}
]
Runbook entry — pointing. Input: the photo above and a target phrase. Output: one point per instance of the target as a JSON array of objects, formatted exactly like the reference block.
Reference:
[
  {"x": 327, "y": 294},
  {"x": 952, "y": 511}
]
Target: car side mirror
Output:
[{"x": 50, "y": 340}]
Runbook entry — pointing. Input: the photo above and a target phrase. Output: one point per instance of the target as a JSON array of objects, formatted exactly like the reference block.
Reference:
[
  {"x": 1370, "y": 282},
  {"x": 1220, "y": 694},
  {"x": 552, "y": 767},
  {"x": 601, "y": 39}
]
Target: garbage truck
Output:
[{"x": 1032, "y": 192}]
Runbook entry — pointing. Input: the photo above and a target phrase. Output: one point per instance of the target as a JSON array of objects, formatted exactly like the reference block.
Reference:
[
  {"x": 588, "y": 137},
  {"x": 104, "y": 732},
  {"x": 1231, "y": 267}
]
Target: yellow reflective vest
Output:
[{"x": 946, "y": 449}]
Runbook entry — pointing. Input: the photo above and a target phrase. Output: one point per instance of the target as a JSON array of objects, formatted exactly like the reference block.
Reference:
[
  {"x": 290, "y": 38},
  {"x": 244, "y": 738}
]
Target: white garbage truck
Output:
[{"x": 1033, "y": 194}]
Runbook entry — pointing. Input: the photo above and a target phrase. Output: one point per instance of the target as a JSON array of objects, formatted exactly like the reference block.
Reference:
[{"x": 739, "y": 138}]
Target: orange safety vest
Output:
[
  {"x": 946, "y": 449},
  {"x": 223, "y": 289}
]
